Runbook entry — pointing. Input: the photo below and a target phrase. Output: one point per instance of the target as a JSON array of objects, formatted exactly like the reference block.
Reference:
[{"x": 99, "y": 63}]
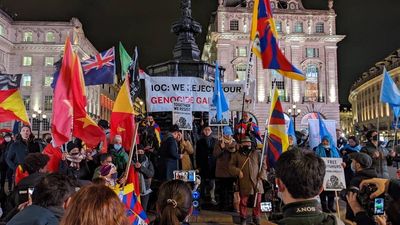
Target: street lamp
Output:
[
  {"x": 294, "y": 112},
  {"x": 40, "y": 118}
]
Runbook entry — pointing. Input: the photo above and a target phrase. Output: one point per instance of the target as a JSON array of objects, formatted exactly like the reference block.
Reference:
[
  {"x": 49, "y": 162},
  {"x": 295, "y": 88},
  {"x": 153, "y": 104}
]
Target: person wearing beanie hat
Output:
[
  {"x": 73, "y": 162},
  {"x": 361, "y": 164},
  {"x": 223, "y": 151}
]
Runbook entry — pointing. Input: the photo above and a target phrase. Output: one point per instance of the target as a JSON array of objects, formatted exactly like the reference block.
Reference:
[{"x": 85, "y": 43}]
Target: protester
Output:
[
  {"x": 245, "y": 165},
  {"x": 378, "y": 154},
  {"x": 120, "y": 157},
  {"x": 105, "y": 160},
  {"x": 223, "y": 152},
  {"x": 50, "y": 198},
  {"x": 341, "y": 141},
  {"x": 206, "y": 162},
  {"x": 247, "y": 128},
  {"x": 327, "y": 150},
  {"x": 23, "y": 145},
  {"x": 150, "y": 138},
  {"x": 73, "y": 162},
  {"x": 5, "y": 172},
  {"x": 95, "y": 205},
  {"x": 352, "y": 147},
  {"x": 174, "y": 203},
  {"x": 361, "y": 165},
  {"x": 146, "y": 172},
  {"x": 169, "y": 154},
  {"x": 185, "y": 149},
  {"x": 299, "y": 177}
]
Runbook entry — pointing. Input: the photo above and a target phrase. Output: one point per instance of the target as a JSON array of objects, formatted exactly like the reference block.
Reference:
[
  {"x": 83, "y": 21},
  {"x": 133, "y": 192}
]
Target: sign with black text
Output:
[
  {"x": 334, "y": 175},
  {"x": 182, "y": 115}
]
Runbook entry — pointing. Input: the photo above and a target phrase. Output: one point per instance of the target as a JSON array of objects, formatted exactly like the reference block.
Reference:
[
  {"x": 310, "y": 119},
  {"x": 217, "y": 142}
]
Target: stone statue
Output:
[{"x": 330, "y": 4}]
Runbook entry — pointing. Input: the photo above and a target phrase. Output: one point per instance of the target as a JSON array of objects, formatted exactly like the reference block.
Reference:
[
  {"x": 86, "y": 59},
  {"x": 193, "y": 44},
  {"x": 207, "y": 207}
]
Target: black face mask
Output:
[
  {"x": 245, "y": 150},
  {"x": 141, "y": 157},
  {"x": 48, "y": 140},
  {"x": 375, "y": 138}
]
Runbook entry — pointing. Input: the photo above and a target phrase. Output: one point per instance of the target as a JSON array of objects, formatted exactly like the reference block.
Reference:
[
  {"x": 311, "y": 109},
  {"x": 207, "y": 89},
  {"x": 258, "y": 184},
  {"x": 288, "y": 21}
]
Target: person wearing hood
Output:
[
  {"x": 169, "y": 154},
  {"x": 120, "y": 157},
  {"x": 353, "y": 146},
  {"x": 146, "y": 172},
  {"x": 223, "y": 152},
  {"x": 74, "y": 163},
  {"x": 326, "y": 149},
  {"x": 361, "y": 166}
]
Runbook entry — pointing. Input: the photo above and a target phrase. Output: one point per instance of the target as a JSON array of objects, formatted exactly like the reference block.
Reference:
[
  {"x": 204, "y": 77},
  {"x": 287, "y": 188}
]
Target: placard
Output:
[
  {"x": 182, "y": 116},
  {"x": 212, "y": 117},
  {"x": 334, "y": 175}
]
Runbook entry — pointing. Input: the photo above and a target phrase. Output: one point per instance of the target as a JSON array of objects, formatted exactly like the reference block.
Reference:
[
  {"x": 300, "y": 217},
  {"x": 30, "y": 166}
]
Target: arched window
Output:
[
  {"x": 240, "y": 72},
  {"x": 234, "y": 25},
  {"x": 311, "y": 92},
  {"x": 319, "y": 28},
  {"x": 278, "y": 81}
]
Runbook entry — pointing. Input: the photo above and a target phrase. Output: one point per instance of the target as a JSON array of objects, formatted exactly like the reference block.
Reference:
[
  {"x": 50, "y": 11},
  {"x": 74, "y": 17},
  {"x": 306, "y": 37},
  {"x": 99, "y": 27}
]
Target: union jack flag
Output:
[{"x": 100, "y": 69}]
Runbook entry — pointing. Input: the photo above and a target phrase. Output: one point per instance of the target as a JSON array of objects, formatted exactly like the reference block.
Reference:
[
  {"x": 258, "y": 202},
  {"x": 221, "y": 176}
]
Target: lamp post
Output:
[
  {"x": 39, "y": 118},
  {"x": 294, "y": 112}
]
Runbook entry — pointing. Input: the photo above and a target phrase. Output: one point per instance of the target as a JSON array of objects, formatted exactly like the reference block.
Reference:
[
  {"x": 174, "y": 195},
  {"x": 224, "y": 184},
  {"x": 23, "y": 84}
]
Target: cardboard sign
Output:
[
  {"x": 182, "y": 116},
  {"x": 212, "y": 117},
  {"x": 334, "y": 175}
]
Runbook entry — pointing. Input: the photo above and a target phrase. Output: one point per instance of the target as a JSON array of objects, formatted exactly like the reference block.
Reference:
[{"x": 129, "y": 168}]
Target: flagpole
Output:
[
  {"x": 395, "y": 131},
  {"x": 248, "y": 72},
  {"x": 131, "y": 154},
  {"x": 261, "y": 163}
]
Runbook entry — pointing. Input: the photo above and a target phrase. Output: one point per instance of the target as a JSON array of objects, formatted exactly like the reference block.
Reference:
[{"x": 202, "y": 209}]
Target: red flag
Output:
[
  {"x": 61, "y": 122},
  {"x": 55, "y": 156},
  {"x": 133, "y": 177},
  {"x": 122, "y": 117},
  {"x": 84, "y": 127}
]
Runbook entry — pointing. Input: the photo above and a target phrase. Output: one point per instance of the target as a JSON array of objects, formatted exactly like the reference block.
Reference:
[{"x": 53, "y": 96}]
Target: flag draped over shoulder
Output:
[
  {"x": 12, "y": 106},
  {"x": 61, "y": 123},
  {"x": 265, "y": 44},
  {"x": 390, "y": 93},
  {"x": 122, "y": 117},
  {"x": 277, "y": 142},
  {"x": 83, "y": 126},
  {"x": 134, "y": 209},
  {"x": 219, "y": 100},
  {"x": 324, "y": 133}
]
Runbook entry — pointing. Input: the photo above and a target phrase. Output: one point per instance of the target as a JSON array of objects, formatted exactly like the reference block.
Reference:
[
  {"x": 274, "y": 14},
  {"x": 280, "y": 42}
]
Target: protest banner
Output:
[
  {"x": 182, "y": 115},
  {"x": 314, "y": 136},
  {"x": 334, "y": 175}
]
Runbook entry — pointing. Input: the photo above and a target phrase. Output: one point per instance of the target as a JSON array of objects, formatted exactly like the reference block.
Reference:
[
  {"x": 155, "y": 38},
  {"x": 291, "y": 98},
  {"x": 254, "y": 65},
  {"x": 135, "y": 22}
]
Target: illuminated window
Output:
[
  {"x": 27, "y": 101},
  {"x": 298, "y": 27},
  {"x": 234, "y": 25},
  {"x": 26, "y": 80},
  {"x": 278, "y": 25},
  {"x": 48, "y": 102},
  {"x": 241, "y": 51},
  {"x": 48, "y": 79},
  {"x": 319, "y": 28},
  {"x": 311, "y": 92},
  {"x": 241, "y": 72},
  {"x": 312, "y": 52},
  {"x": 278, "y": 81},
  {"x": 27, "y": 61},
  {"x": 49, "y": 61},
  {"x": 2, "y": 30},
  {"x": 46, "y": 124},
  {"x": 27, "y": 37},
  {"x": 50, "y": 37}
]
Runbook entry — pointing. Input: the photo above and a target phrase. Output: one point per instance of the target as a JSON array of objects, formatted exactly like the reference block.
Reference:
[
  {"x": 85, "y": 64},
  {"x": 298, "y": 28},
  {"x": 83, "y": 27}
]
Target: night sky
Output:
[{"x": 371, "y": 27}]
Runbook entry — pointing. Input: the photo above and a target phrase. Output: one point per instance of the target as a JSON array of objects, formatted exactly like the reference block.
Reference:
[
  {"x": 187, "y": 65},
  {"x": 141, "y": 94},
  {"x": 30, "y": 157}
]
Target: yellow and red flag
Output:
[
  {"x": 83, "y": 126},
  {"x": 61, "y": 122},
  {"x": 12, "y": 106},
  {"x": 122, "y": 117}
]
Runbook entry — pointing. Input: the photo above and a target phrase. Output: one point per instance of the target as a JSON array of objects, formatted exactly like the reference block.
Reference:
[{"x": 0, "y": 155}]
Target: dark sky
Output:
[{"x": 371, "y": 27}]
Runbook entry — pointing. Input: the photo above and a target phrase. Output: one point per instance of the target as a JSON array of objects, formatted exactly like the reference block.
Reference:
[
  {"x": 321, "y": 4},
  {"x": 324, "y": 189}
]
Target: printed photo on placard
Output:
[
  {"x": 212, "y": 117},
  {"x": 182, "y": 116}
]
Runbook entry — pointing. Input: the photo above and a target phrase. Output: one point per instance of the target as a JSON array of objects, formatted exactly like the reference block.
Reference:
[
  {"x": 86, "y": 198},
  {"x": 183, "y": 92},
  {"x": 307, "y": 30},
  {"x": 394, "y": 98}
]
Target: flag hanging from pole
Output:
[
  {"x": 125, "y": 60},
  {"x": 389, "y": 91},
  {"x": 134, "y": 76},
  {"x": 277, "y": 138},
  {"x": 100, "y": 69},
  {"x": 219, "y": 100},
  {"x": 12, "y": 106},
  {"x": 265, "y": 44}
]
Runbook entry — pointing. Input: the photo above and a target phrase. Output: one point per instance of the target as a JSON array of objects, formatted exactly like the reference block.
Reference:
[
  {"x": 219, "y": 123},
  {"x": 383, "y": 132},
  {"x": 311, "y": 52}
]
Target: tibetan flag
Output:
[
  {"x": 122, "y": 117},
  {"x": 265, "y": 44},
  {"x": 134, "y": 210},
  {"x": 61, "y": 122},
  {"x": 83, "y": 126},
  {"x": 100, "y": 69},
  {"x": 125, "y": 60},
  {"x": 277, "y": 138},
  {"x": 219, "y": 100},
  {"x": 133, "y": 177},
  {"x": 12, "y": 106},
  {"x": 10, "y": 81}
]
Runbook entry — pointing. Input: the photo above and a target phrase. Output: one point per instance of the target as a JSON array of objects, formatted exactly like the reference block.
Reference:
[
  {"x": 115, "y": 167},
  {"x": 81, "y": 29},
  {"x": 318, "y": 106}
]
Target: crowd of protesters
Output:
[{"x": 70, "y": 180}]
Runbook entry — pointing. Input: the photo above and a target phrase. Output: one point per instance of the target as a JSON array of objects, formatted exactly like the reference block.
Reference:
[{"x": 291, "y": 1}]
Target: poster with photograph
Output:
[
  {"x": 212, "y": 117},
  {"x": 334, "y": 175},
  {"x": 182, "y": 115}
]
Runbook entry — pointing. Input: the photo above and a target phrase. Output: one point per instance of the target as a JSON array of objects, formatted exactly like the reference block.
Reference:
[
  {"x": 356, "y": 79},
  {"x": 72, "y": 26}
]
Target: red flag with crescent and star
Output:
[
  {"x": 83, "y": 127},
  {"x": 122, "y": 117}
]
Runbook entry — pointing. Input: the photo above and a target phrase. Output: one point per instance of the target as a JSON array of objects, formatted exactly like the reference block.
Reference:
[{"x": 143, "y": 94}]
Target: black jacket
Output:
[
  {"x": 169, "y": 158},
  {"x": 17, "y": 152},
  {"x": 380, "y": 163},
  {"x": 205, "y": 159},
  {"x": 306, "y": 213},
  {"x": 37, "y": 215}
]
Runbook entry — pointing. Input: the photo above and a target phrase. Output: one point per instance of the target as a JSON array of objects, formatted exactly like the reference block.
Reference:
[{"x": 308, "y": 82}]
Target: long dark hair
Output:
[{"x": 174, "y": 202}]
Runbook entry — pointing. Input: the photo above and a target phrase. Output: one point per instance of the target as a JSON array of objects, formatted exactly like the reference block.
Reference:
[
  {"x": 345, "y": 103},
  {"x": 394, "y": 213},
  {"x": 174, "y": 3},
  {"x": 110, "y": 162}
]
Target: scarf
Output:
[
  {"x": 348, "y": 147},
  {"x": 75, "y": 159},
  {"x": 321, "y": 152}
]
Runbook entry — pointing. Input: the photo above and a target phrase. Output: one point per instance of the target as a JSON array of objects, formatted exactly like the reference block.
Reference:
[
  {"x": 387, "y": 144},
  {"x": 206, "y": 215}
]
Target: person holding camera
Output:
[
  {"x": 361, "y": 166},
  {"x": 245, "y": 165},
  {"x": 299, "y": 177},
  {"x": 391, "y": 187}
]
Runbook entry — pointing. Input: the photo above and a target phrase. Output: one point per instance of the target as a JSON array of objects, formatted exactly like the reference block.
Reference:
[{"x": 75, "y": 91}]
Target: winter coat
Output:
[
  {"x": 378, "y": 162},
  {"x": 345, "y": 152},
  {"x": 205, "y": 159},
  {"x": 249, "y": 184},
  {"x": 223, "y": 156},
  {"x": 82, "y": 173},
  {"x": 169, "y": 157},
  {"x": 146, "y": 173},
  {"x": 120, "y": 158},
  {"x": 321, "y": 151},
  {"x": 186, "y": 149},
  {"x": 37, "y": 215},
  {"x": 18, "y": 151}
]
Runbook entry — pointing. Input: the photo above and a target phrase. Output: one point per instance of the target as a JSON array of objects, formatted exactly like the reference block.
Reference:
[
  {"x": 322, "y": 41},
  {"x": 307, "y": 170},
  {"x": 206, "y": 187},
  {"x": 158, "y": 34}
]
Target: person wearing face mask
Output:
[
  {"x": 74, "y": 162},
  {"x": 351, "y": 147},
  {"x": 146, "y": 172},
  {"x": 120, "y": 157},
  {"x": 378, "y": 154},
  {"x": 5, "y": 171},
  {"x": 327, "y": 150},
  {"x": 245, "y": 165},
  {"x": 361, "y": 166}
]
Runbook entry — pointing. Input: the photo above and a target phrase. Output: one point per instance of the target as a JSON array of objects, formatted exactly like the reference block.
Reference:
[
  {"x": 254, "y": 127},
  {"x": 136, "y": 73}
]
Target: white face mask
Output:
[{"x": 7, "y": 139}]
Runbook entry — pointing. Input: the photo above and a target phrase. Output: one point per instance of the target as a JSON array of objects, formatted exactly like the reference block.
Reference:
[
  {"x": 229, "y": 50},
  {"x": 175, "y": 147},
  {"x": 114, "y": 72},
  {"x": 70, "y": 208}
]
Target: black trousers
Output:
[
  {"x": 225, "y": 193},
  {"x": 6, "y": 173},
  {"x": 327, "y": 199}
]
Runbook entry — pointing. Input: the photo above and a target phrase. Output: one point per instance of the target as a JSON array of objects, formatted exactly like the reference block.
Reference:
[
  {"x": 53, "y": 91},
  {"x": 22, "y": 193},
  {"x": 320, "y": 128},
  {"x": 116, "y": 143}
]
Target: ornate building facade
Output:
[
  {"x": 31, "y": 48},
  {"x": 308, "y": 39},
  {"x": 365, "y": 96}
]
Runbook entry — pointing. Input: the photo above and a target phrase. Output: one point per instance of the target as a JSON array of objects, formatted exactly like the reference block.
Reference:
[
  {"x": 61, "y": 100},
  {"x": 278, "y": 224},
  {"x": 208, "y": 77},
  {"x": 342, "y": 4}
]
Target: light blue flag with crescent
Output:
[
  {"x": 389, "y": 92},
  {"x": 219, "y": 100}
]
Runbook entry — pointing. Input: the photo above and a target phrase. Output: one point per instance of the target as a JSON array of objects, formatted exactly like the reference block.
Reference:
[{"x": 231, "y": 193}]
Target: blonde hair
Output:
[{"x": 95, "y": 205}]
